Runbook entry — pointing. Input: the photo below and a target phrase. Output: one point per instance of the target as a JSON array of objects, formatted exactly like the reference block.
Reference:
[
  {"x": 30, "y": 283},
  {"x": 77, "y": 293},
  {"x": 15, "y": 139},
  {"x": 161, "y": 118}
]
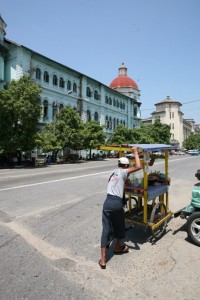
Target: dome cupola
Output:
[{"x": 123, "y": 81}]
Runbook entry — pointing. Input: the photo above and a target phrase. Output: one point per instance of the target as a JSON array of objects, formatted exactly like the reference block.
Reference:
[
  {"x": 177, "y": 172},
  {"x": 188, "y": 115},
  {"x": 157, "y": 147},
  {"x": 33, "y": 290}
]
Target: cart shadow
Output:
[
  {"x": 138, "y": 235},
  {"x": 182, "y": 228},
  {"x": 135, "y": 237}
]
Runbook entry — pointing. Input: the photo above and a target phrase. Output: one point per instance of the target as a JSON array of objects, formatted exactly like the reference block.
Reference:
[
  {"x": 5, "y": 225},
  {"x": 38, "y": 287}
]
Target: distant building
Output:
[
  {"x": 169, "y": 112},
  {"x": 197, "y": 128},
  {"x": 61, "y": 85}
]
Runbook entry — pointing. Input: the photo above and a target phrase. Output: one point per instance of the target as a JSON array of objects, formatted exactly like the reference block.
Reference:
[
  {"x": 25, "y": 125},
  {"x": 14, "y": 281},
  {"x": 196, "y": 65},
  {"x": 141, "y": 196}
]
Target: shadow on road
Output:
[{"x": 135, "y": 237}]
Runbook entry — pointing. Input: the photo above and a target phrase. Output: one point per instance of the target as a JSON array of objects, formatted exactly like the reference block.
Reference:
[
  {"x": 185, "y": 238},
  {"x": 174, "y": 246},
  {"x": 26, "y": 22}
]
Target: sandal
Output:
[
  {"x": 102, "y": 266},
  {"x": 124, "y": 249}
]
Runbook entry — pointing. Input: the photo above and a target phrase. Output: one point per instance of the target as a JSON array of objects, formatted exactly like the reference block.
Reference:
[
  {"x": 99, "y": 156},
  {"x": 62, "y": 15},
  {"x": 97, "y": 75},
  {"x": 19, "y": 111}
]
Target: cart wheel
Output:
[
  {"x": 134, "y": 201},
  {"x": 193, "y": 228},
  {"x": 158, "y": 213}
]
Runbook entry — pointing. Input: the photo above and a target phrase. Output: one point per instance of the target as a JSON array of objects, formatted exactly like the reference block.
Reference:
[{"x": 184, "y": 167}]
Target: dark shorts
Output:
[{"x": 113, "y": 220}]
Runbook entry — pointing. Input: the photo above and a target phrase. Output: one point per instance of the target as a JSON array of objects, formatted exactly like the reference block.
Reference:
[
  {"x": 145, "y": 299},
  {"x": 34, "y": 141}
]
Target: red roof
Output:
[{"x": 123, "y": 81}]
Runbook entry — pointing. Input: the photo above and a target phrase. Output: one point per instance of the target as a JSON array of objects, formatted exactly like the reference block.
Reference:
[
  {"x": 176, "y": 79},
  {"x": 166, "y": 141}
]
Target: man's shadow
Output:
[{"x": 136, "y": 235}]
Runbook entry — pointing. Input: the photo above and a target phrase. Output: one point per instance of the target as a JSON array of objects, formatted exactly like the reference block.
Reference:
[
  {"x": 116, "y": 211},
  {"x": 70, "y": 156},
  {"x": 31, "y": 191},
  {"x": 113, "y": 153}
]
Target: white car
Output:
[
  {"x": 181, "y": 153},
  {"x": 193, "y": 152},
  {"x": 41, "y": 160}
]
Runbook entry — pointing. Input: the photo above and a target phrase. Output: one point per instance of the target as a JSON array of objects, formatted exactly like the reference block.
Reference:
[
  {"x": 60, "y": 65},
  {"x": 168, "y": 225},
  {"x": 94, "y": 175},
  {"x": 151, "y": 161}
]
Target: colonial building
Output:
[
  {"x": 111, "y": 105},
  {"x": 169, "y": 112}
]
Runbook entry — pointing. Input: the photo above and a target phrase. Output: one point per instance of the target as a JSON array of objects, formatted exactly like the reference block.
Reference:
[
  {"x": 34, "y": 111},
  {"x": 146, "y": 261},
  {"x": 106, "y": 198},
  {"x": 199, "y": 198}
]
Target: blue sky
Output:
[{"x": 157, "y": 40}]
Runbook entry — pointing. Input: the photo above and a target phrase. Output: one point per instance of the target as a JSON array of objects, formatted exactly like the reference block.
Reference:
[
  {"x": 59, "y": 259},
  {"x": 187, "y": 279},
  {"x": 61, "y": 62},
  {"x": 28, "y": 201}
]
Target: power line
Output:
[{"x": 190, "y": 101}]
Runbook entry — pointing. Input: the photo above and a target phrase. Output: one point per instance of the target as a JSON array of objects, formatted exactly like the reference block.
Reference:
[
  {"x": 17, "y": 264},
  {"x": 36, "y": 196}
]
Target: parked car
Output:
[
  {"x": 172, "y": 152},
  {"x": 130, "y": 155},
  {"x": 41, "y": 160},
  {"x": 193, "y": 152},
  {"x": 180, "y": 153},
  {"x": 158, "y": 154},
  {"x": 60, "y": 159}
]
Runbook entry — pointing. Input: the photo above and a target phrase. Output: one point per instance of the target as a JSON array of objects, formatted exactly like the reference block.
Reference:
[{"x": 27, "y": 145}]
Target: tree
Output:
[
  {"x": 143, "y": 135},
  {"x": 120, "y": 135},
  {"x": 93, "y": 135},
  {"x": 65, "y": 131},
  {"x": 160, "y": 133},
  {"x": 192, "y": 142},
  {"x": 146, "y": 134},
  {"x": 19, "y": 114},
  {"x": 123, "y": 135}
]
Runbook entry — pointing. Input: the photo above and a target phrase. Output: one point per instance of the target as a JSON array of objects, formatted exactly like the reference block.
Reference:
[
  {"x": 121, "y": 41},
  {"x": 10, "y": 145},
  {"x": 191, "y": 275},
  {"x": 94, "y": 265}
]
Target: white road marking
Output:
[
  {"x": 50, "y": 181},
  {"x": 69, "y": 178}
]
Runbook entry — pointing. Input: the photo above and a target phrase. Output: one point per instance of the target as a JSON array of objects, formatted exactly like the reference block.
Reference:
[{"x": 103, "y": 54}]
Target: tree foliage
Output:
[
  {"x": 65, "y": 131},
  {"x": 19, "y": 115},
  {"x": 120, "y": 135},
  {"x": 147, "y": 134},
  {"x": 160, "y": 133},
  {"x": 93, "y": 135},
  {"x": 192, "y": 142},
  {"x": 20, "y": 111}
]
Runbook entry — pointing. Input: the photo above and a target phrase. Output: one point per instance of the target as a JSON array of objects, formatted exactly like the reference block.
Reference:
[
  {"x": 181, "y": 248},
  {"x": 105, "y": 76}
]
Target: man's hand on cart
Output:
[
  {"x": 134, "y": 149},
  {"x": 137, "y": 165}
]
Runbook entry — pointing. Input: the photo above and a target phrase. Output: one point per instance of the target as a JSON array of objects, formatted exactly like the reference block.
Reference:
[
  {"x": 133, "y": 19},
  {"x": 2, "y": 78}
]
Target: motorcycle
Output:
[{"x": 192, "y": 214}]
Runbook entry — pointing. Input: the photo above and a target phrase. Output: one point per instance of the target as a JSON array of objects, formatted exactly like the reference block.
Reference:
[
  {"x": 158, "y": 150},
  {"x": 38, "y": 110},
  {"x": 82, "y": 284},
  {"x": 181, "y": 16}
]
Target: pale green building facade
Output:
[{"x": 62, "y": 86}]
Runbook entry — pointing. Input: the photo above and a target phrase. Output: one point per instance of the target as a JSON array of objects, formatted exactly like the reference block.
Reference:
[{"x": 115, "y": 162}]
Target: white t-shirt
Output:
[{"x": 116, "y": 182}]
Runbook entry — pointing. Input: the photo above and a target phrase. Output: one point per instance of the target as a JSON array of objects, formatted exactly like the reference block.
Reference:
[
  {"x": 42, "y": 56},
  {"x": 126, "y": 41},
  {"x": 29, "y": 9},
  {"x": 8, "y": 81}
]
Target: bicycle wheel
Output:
[{"x": 158, "y": 213}]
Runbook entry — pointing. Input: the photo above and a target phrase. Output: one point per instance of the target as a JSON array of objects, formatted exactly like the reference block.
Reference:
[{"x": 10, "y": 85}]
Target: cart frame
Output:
[{"x": 151, "y": 203}]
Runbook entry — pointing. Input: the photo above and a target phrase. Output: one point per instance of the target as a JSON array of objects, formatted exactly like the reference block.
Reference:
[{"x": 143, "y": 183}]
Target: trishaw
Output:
[{"x": 148, "y": 195}]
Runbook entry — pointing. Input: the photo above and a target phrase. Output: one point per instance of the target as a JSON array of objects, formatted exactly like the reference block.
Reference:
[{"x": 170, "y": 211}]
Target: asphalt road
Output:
[{"x": 50, "y": 228}]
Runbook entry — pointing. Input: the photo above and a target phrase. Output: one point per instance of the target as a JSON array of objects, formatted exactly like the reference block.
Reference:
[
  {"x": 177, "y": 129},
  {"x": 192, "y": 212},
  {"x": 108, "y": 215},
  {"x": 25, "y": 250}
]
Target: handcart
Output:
[{"x": 147, "y": 196}]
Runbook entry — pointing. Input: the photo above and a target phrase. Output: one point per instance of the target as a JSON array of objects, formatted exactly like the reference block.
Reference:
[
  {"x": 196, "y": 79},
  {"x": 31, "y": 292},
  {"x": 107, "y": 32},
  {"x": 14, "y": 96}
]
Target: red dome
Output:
[{"x": 123, "y": 81}]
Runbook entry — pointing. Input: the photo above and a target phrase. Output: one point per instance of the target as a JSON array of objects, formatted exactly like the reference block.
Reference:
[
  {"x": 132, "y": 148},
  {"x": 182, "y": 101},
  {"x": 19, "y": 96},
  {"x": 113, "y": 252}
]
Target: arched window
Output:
[
  {"x": 121, "y": 105},
  {"x": 39, "y": 100},
  {"x": 124, "y": 123},
  {"x": 96, "y": 95},
  {"x": 114, "y": 123},
  {"x": 110, "y": 101},
  {"x": 46, "y": 76},
  {"x": 88, "y": 92},
  {"x": 74, "y": 87},
  {"x": 135, "y": 111},
  {"x": 55, "y": 109},
  {"x": 61, "y": 107},
  {"x": 114, "y": 102},
  {"x": 38, "y": 74},
  {"x": 110, "y": 123},
  {"x": 69, "y": 85},
  {"x": 117, "y": 103},
  {"x": 45, "y": 110},
  {"x": 61, "y": 82},
  {"x": 107, "y": 122},
  {"x": 106, "y": 100},
  {"x": 88, "y": 116},
  {"x": 55, "y": 80},
  {"x": 96, "y": 116}
]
